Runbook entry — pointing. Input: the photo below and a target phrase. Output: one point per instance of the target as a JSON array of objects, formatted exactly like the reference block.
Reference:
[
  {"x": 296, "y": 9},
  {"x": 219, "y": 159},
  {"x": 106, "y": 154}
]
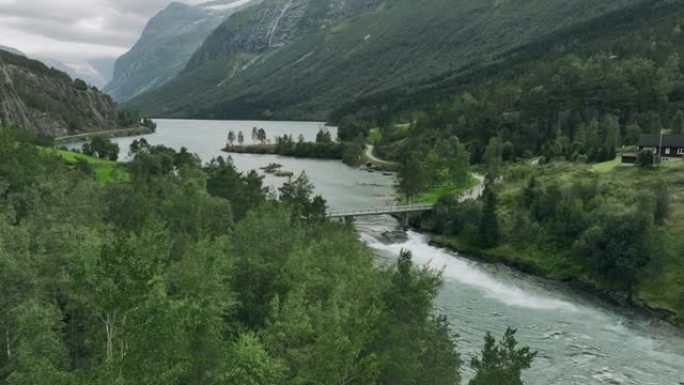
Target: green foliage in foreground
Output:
[
  {"x": 501, "y": 363},
  {"x": 190, "y": 275}
]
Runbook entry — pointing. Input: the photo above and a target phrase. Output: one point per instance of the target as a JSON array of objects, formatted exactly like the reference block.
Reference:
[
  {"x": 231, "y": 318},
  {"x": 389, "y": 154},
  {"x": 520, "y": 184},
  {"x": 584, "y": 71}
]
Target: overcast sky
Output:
[{"x": 75, "y": 30}]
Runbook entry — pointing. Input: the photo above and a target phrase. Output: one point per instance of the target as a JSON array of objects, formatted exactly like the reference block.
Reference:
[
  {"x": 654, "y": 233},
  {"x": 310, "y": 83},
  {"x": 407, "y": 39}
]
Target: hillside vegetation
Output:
[
  {"x": 391, "y": 49},
  {"x": 48, "y": 103}
]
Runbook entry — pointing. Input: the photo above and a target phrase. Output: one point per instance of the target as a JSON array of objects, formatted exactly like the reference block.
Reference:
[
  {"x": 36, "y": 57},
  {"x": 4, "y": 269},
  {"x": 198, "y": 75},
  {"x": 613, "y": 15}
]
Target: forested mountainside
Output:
[
  {"x": 390, "y": 49},
  {"x": 580, "y": 102},
  {"x": 167, "y": 44},
  {"x": 48, "y": 102}
]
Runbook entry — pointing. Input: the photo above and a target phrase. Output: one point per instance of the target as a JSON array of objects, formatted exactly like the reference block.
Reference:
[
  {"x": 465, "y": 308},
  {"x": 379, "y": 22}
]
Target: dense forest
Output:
[
  {"x": 186, "y": 273},
  {"x": 582, "y": 100}
]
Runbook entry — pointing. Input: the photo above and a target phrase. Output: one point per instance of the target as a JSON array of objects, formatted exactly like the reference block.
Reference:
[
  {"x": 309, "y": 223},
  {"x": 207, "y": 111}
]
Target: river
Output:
[{"x": 581, "y": 340}]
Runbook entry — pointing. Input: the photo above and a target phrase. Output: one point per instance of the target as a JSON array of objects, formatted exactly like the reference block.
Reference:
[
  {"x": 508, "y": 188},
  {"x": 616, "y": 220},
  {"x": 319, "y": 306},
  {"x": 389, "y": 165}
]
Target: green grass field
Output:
[
  {"x": 433, "y": 194},
  {"x": 106, "y": 171},
  {"x": 374, "y": 136},
  {"x": 606, "y": 166}
]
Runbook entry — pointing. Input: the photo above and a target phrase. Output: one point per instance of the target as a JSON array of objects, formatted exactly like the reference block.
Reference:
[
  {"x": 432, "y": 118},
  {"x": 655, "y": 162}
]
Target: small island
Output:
[
  {"x": 276, "y": 170},
  {"x": 350, "y": 152}
]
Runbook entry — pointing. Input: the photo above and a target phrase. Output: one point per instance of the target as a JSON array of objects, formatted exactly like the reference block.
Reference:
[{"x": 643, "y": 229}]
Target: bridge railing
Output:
[{"x": 395, "y": 209}]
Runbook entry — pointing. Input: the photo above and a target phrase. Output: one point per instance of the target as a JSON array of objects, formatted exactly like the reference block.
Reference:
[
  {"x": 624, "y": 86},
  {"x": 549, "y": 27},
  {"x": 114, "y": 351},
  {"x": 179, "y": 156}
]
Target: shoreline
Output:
[
  {"x": 369, "y": 163},
  {"x": 617, "y": 299},
  {"x": 118, "y": 133}
]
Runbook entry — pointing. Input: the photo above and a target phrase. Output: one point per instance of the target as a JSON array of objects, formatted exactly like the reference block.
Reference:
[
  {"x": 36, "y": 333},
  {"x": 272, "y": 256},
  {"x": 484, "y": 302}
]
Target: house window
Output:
[
  {"x": 667, "y": 150},
  {"x": 680, "y": 151}
]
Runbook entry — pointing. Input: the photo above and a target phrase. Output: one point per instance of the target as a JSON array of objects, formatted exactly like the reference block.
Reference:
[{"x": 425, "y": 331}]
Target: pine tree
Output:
[
  {"x": 678, "y": 122},
  {"x": 489, "y": 225},
  {"x": 501, "y": 364}
]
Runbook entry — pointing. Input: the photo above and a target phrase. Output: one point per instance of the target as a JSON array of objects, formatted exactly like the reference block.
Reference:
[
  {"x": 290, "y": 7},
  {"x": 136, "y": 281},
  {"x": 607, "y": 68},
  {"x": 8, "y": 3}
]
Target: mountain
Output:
[
  {"x": 11, "y": 50},
  {"x": 105, "y": 67},
  {"x": 166, "y": 44},
  {"x": 48, "y": 102},
  {"x": 304, "y": 59},
  {"x": 95, "y": 72}
]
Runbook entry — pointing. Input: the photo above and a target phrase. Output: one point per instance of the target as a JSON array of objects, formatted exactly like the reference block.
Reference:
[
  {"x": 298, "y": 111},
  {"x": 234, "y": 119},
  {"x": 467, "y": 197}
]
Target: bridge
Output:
[
  {"x": 473, "y": 193},
  {"x": 396, "y": 209}
]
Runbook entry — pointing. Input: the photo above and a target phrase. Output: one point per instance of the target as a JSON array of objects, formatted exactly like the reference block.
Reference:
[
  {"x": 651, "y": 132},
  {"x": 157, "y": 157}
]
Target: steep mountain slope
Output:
[
  {"x": 96, "y": 72},
  {"x": 47, "y": 102},
  {"x": 167, "y": 43},
  {"x": 85, "y": 71},
  {"x": 316, "y": 61}
]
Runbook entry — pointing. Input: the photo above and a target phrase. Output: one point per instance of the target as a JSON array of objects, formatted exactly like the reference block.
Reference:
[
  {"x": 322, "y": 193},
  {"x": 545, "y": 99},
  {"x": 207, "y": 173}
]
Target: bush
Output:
[
  {"x": 647, "y": 158},
  {"x": 80, "y": 85},
  {"x": 102, "y": 147}
]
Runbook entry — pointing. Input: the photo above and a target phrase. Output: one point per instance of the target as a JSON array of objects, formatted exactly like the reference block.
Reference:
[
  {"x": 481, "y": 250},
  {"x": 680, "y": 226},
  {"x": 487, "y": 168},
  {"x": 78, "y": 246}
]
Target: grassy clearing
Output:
[
  {"x": 374, "y": 135},
  {"x": 606, "y": 166},
  {"x": 433, "y": 194},
  {"x": 106, "y": 171}
]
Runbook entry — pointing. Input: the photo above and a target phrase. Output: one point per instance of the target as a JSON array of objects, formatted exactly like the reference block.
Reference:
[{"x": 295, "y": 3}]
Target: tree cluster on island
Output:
[{"x": 350, "y": 152}]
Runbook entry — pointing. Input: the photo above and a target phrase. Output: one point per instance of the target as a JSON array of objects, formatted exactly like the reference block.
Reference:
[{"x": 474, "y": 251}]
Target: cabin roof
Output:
[{"x": 669, "y": 140}]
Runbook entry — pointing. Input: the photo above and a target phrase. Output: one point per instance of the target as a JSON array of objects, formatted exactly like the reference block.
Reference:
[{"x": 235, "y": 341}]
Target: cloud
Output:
[{"x": 75, "y": 30}]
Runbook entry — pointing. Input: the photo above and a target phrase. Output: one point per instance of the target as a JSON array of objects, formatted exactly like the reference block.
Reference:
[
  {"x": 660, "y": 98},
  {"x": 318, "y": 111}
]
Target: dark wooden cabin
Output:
[{"x": 671, "y": 145}]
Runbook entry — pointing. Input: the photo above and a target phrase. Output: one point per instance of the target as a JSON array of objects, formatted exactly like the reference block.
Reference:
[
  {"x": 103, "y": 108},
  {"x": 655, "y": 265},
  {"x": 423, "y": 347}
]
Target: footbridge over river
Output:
[
  {"x": 386, "y": 210},
  {"x": 405, "y": 209}
]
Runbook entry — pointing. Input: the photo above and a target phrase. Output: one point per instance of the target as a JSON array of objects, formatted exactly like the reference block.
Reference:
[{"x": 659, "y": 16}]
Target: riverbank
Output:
[
  {"x": 333, "y": 151},
  {"x": 527, "y": 266},
  {"x": 370, "y": 160},
  {"x": 119, "y": 133},
  {"x": 550, "y": 218}
]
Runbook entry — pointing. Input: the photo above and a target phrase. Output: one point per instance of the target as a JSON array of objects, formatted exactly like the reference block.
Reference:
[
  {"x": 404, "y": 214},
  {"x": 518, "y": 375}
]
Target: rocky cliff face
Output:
[
  {"x": 47, "y": 102},
  {"x": 167, "y": 43},
  {"x": 274, "y": 23}
]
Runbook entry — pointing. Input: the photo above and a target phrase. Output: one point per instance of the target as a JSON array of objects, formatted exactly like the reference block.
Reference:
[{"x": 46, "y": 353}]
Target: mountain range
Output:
[
  {"x": 166, "y": 44},
  {"x": 309, "y": 59}
]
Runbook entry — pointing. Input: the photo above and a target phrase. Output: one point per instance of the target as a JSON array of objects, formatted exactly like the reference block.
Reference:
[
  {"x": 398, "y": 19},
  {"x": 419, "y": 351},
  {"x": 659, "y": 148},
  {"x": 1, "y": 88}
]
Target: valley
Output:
[{"x": 360, "y": 192}]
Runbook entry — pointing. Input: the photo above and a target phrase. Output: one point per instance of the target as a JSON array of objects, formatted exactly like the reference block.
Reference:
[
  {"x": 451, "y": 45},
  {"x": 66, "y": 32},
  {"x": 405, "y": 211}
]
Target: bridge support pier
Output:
[
  {"x": 349, "y": 220},
  {"x": 405, "y": 221}
]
